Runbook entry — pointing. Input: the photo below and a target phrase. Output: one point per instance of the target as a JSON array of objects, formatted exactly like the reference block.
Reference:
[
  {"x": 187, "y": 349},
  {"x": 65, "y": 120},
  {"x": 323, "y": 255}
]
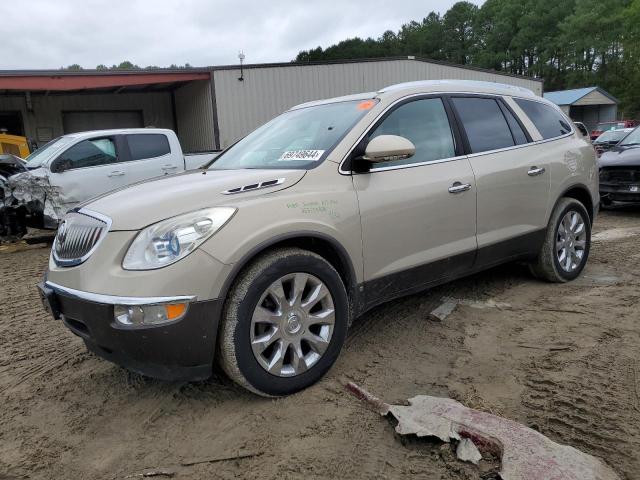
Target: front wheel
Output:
[
  {"x": 565, "y": 250},
  {"x": 284, "y": 322}
]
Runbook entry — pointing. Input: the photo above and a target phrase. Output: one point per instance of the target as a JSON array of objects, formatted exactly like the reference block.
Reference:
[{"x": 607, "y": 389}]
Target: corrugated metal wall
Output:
[
  {"x": 266, "y": 92},
  {"x": 194, "y": 116},
  {"x": 47, "y": 111}
]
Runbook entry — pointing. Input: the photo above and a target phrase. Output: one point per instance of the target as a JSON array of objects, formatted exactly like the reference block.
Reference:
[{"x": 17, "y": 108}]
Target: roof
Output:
[
  {"x": 66, "y": 81},
  {"x": 431, "y": 86},
  {"x": 345, "y": 98},
  {"x": 183, "y": 73},
  {"x": 569, "y": 97},
  {"x": 117, "y": 131},
  {"x": 377, "y": 59},
  {"x": 465, "y": 85}
]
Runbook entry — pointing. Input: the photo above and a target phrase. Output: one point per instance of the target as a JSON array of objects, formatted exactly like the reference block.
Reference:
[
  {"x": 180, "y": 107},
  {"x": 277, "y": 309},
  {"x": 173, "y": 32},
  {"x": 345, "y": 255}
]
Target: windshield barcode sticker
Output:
[{"x": 304, "y": 155}]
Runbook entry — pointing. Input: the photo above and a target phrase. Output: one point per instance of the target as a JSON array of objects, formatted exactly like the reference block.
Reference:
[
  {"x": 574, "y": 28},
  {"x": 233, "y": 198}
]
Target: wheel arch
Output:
[
  {"x": 581, "y": 193},
  {"x": 324, "y": 245}
]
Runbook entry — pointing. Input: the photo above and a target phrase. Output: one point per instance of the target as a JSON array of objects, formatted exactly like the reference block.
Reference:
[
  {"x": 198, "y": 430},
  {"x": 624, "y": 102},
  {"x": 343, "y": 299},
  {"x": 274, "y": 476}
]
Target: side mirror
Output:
[
  {"x": 59, "y": 165},
  {"x": 385, "y": 148}
]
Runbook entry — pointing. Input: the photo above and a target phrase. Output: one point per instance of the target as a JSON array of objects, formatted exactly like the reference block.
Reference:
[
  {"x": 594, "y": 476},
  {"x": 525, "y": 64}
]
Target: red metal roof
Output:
[{"x": 80, "y": 81}]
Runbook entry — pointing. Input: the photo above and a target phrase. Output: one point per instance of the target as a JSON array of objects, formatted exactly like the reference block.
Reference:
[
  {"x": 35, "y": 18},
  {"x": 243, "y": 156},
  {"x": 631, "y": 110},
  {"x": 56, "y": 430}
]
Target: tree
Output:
[
  {"x": 458, "y": 32},
  {"x": 126, "y": 65}
]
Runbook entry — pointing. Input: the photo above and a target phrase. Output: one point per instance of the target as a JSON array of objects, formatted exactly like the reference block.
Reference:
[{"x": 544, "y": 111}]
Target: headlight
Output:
[{"x": 170, "y": 240}]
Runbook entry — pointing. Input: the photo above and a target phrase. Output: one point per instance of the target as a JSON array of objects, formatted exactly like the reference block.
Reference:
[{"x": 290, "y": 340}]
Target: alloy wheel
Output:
[
  {"x": 292, "y": 324},
  {"x": 571, "y": 241}
]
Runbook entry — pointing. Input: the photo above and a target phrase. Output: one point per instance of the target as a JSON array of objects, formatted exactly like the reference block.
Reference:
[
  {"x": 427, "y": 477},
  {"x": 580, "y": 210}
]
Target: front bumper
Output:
[
  {"x": 180, "y": 350},
  {"x": 620, "y": 192}
]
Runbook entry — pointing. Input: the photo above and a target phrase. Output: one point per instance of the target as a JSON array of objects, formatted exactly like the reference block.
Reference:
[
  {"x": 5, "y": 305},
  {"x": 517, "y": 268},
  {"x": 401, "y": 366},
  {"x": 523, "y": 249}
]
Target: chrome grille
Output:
[{"x": 78, "y": 236}]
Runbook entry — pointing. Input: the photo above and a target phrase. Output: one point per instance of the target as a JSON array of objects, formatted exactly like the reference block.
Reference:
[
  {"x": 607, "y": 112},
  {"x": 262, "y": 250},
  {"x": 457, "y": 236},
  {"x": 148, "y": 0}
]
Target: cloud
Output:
[{"x": 46, "y": 34}]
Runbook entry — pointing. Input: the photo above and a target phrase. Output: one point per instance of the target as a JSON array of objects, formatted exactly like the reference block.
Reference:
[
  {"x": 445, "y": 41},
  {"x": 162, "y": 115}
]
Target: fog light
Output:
[{"x": 138, "y": 315}]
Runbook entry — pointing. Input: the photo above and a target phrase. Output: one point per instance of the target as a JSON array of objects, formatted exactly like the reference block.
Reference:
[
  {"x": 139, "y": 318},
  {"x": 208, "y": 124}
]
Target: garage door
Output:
[{"x": 100, "y": 120}]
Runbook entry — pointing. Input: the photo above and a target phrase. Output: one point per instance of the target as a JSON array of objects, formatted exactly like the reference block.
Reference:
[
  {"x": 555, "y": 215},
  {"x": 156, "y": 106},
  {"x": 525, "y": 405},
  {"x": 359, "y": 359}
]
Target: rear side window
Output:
[
  {"x": 484, "y": 123},
  {"x": 549, "y": 122},
  {"x": 148, "y": 145},
  {"x": 426, "y": 124}
]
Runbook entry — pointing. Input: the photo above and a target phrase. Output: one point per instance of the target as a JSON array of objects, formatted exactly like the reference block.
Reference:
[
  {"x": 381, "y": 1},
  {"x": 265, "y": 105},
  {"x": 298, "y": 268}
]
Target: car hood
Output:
[
  {"x": 620, "y": 157},
  {"x": 10, "y": 165},
  {"x": 146, "y": 203}
]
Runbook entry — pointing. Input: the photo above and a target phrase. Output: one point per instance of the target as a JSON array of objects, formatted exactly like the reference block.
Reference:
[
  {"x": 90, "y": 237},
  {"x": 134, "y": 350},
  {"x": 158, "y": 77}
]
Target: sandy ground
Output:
[{"x": 563, "y": 359}]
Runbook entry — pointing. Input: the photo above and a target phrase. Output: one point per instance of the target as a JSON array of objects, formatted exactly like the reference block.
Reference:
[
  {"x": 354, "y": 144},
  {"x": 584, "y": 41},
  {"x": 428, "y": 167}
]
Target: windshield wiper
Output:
[{"x": 633, "y": 144}]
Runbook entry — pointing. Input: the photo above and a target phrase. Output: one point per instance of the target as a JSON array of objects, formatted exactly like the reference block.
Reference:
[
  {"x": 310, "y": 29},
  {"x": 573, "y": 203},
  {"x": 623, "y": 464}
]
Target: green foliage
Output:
[
  {"x": 126, "y": 65},
  {"x": 568, "y": 43}
]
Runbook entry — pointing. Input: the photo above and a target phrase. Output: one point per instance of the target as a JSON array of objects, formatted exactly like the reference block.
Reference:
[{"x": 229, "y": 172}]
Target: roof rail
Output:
[{"x": 465, "y": 83}]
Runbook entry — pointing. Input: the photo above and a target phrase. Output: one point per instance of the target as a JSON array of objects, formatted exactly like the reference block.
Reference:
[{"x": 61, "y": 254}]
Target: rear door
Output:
[
  {"x": 512, "y": 184},
  {"x": 418, "y": 215},
  {"x": 88, "y": 168},
  {"x": 150, "y": 156}
]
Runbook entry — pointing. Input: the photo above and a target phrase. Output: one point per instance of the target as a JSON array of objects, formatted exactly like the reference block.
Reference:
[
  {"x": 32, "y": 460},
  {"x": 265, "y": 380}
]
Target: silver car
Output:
[{"x": 263, "y": 258}]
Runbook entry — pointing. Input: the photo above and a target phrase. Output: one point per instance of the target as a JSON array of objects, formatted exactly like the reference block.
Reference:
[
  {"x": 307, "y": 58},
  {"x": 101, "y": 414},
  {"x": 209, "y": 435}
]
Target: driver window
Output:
[
  {"x": 426, "y": 124},
  {"x": 88, "y": 153}
]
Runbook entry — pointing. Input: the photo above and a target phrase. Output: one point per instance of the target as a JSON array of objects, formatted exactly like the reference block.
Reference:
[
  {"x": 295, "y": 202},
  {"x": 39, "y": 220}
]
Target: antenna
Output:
[{"x": 241, "y": 58}]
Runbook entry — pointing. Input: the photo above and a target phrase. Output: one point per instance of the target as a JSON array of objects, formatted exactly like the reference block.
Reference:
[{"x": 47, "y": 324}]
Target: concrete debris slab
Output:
[
  {"x": 468, "y": 452},
  {"x": 525, "y": 453},
  {"x": 443, "y": 311}
]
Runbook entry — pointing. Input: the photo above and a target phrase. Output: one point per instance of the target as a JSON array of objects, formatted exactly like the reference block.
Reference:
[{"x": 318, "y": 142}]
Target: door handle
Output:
[
  {"x": 534, "y": 171},
  {"x": 169, "y": 167},
  {"x": 458, "y": 187},
  {"x": 116, "y": 173}
]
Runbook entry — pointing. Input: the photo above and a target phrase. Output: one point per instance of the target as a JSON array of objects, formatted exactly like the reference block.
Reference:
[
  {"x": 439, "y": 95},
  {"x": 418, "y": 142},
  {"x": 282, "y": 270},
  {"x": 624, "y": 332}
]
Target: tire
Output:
[
  {"x": 548, "y": 266},
  {"x": 310, "y": 349}
]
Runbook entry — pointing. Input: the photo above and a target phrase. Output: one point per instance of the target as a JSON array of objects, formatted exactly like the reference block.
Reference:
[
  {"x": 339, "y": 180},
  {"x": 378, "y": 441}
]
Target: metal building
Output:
[
  {"x": 590, "y": 105},
  {"x": 209, "y": 108}
]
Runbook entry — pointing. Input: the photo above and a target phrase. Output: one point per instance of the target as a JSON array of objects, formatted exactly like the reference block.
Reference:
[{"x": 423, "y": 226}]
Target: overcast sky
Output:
[{"x": 55, "y": 33}]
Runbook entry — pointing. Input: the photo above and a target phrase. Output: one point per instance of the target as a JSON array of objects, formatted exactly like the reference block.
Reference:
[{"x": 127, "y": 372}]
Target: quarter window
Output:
[
  {"x": 549, "y": 122},
  {"x": 148, "y": 145},
  {"x": 88, "y": 153},
  {"x": 484, "y": 123},
  {"x": 426, "y": 124}
]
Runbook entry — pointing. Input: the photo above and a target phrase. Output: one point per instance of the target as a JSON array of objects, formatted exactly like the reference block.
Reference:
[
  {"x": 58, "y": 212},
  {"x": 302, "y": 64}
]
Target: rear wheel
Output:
[
  {"x": 284, "y": 322},
  {"x": 566, "y": 247}
]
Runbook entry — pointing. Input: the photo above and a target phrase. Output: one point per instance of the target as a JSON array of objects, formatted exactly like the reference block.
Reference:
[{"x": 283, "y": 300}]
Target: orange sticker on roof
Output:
[{"x": 366, "y": 105}]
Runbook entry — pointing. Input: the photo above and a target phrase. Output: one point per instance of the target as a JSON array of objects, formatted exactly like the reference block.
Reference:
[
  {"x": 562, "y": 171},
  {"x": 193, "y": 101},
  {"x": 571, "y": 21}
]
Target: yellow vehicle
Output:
[{"x": 14, "y": 145}]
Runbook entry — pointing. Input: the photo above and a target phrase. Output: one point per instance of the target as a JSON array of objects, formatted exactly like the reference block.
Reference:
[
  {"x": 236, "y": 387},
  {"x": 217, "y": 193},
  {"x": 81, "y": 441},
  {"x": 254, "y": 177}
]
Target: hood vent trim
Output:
[{"x": 254, "y": 186}]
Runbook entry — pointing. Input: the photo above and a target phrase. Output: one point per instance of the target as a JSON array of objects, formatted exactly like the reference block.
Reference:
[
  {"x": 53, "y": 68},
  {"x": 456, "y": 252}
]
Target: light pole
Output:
[{"x": 241, "y": 57}]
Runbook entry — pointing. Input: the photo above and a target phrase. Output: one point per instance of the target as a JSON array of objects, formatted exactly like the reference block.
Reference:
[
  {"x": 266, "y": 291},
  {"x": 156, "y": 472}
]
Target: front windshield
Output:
[
  {"x": 603, "y": 127},
  {"x": 611, "y": 136},
  {"x": 632, "y": 139},
  {"x": 41, "y": 155},
  {"x": 296, "y": 139}
]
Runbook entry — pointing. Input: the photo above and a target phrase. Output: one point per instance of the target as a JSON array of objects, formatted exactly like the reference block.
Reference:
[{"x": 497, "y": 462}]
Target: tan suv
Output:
[{"x": 266, "y": 255}]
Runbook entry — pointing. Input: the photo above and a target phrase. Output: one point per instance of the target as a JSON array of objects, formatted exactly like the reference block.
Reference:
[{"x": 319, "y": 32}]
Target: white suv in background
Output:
[{"x": 265, "y": 257}]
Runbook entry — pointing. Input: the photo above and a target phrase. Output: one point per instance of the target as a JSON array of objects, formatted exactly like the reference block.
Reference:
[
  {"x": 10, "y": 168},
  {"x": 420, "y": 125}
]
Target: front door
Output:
[
  {"x": 87, "y": 169},
  {"x": 418, "y": 215}
]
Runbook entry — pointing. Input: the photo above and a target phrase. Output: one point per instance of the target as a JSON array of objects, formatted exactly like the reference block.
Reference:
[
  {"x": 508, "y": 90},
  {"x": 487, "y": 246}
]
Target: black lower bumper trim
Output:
[
  {"x": 181, "y": 350},
  {"x": 161, "y": 372}
]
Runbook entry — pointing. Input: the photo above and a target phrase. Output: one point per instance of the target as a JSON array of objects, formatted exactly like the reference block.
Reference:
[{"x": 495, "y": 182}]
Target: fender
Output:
[{"x": 349, "y": 274}]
